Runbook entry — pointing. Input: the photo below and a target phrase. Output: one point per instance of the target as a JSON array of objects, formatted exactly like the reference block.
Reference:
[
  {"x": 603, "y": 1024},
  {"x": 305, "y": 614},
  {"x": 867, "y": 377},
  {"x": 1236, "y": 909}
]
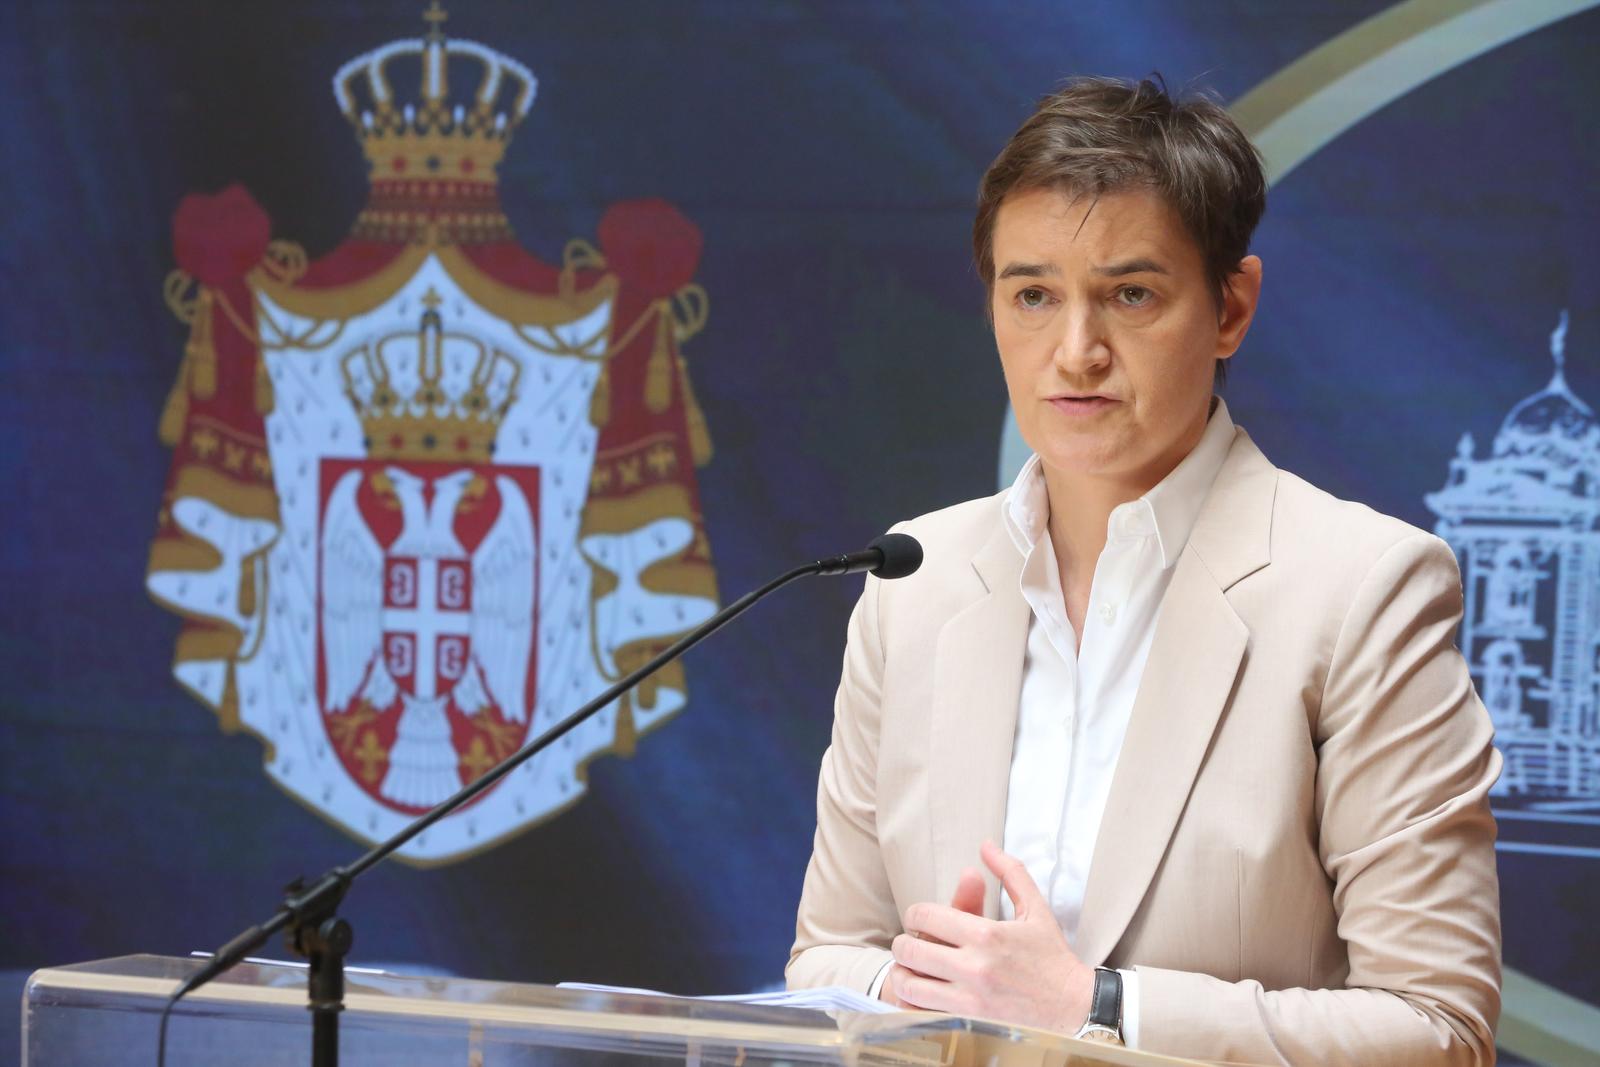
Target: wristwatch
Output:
[{"x": 1104, "y": 1023}]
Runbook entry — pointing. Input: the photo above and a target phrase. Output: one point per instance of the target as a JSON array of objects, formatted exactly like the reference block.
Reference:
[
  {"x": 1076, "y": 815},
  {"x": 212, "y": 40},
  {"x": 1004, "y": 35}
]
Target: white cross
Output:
[{"x": 429, "y": 622}]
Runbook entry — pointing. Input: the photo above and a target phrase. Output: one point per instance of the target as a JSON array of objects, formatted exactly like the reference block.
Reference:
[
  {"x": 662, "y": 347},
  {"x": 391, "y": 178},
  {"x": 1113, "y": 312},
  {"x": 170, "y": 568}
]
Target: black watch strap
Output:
[{"x": 1105, "y": 1006}]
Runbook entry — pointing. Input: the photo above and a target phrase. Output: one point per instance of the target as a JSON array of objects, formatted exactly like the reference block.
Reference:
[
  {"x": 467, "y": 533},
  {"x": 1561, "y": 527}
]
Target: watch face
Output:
[{"x": 1100, "y": 1035}]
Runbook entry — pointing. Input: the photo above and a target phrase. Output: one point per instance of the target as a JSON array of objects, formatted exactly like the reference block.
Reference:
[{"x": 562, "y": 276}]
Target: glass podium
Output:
[{"x": 107, "y": 1012}]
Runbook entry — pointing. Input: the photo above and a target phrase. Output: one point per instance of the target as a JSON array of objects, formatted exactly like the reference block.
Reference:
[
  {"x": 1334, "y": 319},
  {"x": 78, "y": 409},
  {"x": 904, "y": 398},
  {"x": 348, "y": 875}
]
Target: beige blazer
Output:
[{"x": 1297, "y": 854}]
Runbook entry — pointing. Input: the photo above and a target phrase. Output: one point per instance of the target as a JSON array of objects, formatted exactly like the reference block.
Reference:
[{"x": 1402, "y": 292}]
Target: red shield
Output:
[{"x": 427, "y": 523}]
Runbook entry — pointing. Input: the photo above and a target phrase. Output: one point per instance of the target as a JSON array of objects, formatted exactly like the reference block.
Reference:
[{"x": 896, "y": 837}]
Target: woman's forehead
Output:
[{"x": 1063, "y": 230}]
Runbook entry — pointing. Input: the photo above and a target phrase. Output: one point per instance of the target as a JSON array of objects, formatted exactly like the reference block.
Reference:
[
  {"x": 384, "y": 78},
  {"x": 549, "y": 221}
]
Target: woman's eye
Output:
[
  {"x": 1133, "y": 295},
  {"x": 1031, "y": 298}
]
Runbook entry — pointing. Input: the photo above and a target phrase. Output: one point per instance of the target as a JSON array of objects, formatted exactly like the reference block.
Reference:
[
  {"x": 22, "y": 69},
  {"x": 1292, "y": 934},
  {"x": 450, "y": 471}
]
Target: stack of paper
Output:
[{"x": 829, "y": 998}]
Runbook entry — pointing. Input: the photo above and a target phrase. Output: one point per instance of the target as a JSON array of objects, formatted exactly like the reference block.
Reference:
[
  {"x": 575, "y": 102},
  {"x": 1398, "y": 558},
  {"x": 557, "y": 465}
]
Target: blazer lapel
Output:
[
  {"x": 977, "y": 683},
  {"x": 1195, "y": 657}
]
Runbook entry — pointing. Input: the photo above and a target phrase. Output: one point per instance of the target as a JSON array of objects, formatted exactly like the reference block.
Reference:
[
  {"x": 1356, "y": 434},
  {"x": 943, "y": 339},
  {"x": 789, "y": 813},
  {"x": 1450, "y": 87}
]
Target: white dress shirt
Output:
[{"x": 1077, "y": 697}]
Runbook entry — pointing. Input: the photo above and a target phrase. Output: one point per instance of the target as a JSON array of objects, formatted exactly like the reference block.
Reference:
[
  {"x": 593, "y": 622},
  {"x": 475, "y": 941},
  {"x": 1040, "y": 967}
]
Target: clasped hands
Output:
[{"x": 1021, "y": 971}]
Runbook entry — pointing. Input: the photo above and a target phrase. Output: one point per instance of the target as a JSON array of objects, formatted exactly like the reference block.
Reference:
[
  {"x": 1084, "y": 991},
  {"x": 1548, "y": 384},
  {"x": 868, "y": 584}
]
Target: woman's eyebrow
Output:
[
  {"x": 1131, "y": 266},
  {"x": 1028, "y": 270}
]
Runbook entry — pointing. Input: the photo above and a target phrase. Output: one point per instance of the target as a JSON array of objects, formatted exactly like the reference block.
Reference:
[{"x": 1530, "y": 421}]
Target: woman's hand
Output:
[
  {"x": 1022, "y": 971},
  {"x": 968, "y": 897}
]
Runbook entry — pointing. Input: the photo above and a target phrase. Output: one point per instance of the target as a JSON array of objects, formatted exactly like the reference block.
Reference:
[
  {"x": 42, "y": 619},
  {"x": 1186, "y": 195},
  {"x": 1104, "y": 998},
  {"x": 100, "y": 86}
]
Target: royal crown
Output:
[
  {"x": 440, "y": 135},
  {"x": 430, "y": 395}
]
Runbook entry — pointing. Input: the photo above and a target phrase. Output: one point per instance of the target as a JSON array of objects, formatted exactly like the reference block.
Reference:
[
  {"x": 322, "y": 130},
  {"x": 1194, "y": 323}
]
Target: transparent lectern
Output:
[{"x": 106, "y": 1012}]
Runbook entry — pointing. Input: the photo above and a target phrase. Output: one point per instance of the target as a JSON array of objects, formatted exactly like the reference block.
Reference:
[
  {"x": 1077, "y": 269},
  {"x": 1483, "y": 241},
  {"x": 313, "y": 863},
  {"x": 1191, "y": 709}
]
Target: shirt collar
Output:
[{"x": 1169, "y": 509}]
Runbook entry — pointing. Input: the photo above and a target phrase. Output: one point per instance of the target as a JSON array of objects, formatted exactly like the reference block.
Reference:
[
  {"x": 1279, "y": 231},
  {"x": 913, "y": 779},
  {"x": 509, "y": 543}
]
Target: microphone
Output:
[
  {"x": 308, "y": 912},
  {"x": 894, "y": 555}
]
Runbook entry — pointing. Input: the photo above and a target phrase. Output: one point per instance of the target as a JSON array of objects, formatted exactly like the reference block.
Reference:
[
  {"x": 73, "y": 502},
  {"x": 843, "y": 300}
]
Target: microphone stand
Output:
[{"x": 309, "y": 911}]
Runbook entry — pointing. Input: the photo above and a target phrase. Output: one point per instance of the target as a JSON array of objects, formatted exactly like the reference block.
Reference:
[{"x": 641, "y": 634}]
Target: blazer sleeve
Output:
[
  {"x": 847, "y": 915},
  {"x": 1404, "y": 766}
]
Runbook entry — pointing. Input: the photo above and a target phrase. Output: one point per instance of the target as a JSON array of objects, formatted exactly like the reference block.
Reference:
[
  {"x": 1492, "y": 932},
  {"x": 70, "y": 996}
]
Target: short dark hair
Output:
[{"x": 1100, "y": 135}]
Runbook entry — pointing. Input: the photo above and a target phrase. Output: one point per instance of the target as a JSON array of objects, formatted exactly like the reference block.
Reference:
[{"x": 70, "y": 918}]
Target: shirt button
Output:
[{"x": 1108, "y": 613}]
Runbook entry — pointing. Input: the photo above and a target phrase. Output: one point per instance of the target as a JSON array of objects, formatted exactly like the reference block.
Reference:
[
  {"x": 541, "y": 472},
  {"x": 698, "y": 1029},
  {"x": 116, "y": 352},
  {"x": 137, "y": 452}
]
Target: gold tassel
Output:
[
  {"x": 201, "y": 351},
  {"x": 265, "y": 398},
  {"x": 247, "y": 586},
  {"x": 175, "y": 414},
  {"x": 658, "y": 373},
  {"x": 694, "y": 419},
  {"x": 600, "y": 399},
  {"x": 197, "y": 374},
  {"x": 228, "y": 708},
  {"x": 625, "y": 738}
]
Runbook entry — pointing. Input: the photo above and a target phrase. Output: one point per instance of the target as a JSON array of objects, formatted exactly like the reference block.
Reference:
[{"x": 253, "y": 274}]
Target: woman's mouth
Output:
[{"x": 1080, "y": 406}]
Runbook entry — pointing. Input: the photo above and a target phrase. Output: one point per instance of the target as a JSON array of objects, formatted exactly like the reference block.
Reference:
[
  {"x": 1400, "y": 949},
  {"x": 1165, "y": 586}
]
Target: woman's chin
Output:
[{"x": 1085, "y": 459}]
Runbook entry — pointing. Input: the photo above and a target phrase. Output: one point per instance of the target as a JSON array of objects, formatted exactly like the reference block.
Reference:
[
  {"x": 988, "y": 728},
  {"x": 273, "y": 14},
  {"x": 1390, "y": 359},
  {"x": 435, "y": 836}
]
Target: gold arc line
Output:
[
  {"x": 1325, "y": 92},
  {"x": 1545, "y": 1025}
]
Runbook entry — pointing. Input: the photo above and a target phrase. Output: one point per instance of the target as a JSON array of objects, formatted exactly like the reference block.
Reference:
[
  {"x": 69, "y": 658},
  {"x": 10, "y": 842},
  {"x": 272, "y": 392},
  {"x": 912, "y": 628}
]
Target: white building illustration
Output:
[{"x": 1525, "y": 524}]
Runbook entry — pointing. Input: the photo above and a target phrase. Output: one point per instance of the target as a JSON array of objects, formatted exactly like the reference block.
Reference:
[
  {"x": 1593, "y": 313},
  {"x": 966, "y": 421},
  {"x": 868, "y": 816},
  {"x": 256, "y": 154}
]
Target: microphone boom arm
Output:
[{"x": 309, "y": 911}]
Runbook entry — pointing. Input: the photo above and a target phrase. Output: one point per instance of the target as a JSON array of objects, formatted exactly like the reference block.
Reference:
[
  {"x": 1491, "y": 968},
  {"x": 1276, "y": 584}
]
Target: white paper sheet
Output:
[{"x": 828, "y": 998}]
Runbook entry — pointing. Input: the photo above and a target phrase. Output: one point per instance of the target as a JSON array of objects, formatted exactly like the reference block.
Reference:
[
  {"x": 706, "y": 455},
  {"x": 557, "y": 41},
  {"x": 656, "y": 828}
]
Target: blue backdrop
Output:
[{"x": 1415, "y": 267}]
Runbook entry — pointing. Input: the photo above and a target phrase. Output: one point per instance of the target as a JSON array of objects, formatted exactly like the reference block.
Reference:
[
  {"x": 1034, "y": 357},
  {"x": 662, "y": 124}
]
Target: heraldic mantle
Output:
[{"x": 429, "y": 491}]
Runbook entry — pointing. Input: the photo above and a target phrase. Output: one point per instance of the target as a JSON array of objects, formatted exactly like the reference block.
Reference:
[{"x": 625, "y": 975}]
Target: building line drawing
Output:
[{"x": 1524, "y": 522}]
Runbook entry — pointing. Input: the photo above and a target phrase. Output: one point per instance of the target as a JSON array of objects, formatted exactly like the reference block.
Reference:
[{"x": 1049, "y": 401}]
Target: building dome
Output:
[
  {"x": 1553, "y": 413},
  {"x": 1552, "y": 425}
]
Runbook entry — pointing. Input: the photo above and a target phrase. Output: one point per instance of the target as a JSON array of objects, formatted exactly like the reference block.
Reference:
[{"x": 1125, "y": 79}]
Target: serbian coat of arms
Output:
[{"x": 429, "y": 492}]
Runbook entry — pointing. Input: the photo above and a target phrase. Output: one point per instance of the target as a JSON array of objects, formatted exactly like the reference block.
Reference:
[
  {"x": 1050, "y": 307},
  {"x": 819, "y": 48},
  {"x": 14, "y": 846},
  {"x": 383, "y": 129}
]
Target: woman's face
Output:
[{"x": 1109, "y": 331}]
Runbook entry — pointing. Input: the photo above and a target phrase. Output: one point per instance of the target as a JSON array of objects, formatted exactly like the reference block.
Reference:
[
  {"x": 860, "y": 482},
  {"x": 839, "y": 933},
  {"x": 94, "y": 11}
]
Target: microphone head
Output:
[{"x": 902, "y": 555}]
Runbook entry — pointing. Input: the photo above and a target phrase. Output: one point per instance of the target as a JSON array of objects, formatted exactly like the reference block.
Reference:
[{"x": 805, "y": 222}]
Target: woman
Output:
[{"x": 1204, "y": 724}]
